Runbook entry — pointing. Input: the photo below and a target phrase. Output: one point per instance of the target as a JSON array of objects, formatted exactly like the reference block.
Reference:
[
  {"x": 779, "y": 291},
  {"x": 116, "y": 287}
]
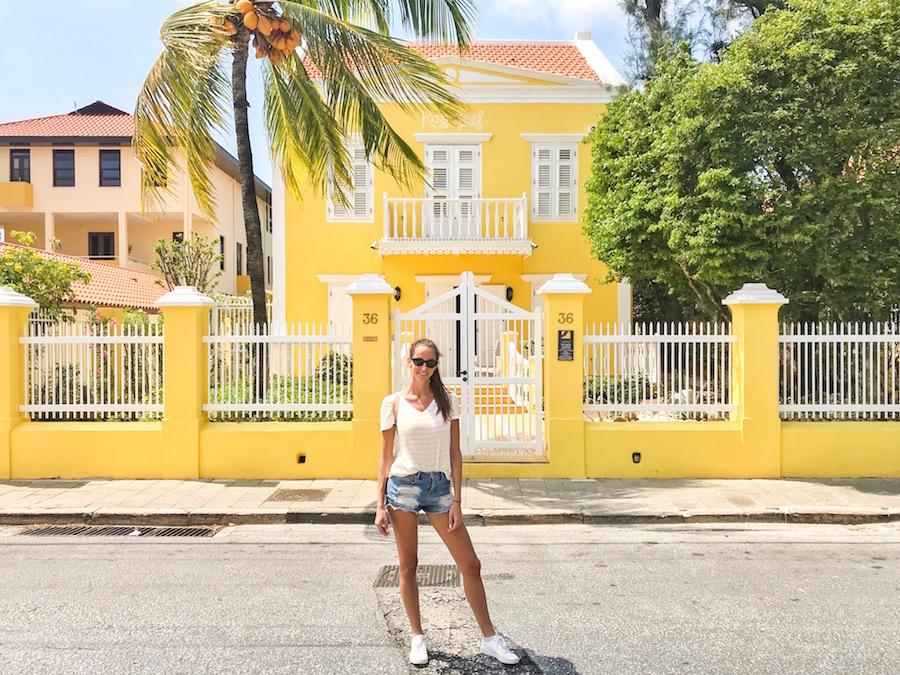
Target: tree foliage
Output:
[
  {"x": 188, "y": 262},
  {"x": 779, "y": 164},
  {"x": 657, "y": 27},
  {"x": 313, "y": 99},
  {"x": 46, "y": 281}
]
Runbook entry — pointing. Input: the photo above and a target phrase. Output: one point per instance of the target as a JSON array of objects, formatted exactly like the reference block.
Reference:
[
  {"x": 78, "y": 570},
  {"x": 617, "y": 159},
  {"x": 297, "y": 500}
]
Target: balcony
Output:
[
  {"x": 428, "y": 225},
  {"x": 16, "y": 194}
]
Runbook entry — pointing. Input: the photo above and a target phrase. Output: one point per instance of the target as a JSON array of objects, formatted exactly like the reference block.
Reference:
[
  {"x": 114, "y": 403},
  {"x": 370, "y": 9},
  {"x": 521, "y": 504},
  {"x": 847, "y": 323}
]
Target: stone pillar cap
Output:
[
  {"x": 370, "y": 284},
  {"x": 185, "y": 296},
  {"x": 12, "y": 298},
  {"x": 564, "y": 283},
  {"x": 755, "y": 294}
]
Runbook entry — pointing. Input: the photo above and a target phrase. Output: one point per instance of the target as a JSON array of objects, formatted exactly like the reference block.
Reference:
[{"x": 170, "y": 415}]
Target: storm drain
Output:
[
  {"x": 298, "y": 495},
  {"x": 442, "y": 576},
  {"x": 119, "y": 531}
]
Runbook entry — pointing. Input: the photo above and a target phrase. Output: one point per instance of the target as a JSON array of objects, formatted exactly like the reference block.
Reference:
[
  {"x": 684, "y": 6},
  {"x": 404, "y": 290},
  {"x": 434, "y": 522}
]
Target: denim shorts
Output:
[{"x": 427, "y": 491}]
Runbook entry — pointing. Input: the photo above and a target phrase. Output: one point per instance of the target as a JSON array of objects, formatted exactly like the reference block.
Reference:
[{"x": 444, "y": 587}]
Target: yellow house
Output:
[
  {"x": 503, "y": 199},
  {"x": 73, "y": 181}
]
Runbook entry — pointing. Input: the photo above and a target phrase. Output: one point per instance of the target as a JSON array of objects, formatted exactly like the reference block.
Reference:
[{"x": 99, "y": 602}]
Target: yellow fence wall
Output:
[{"x": 185, "y": 444}]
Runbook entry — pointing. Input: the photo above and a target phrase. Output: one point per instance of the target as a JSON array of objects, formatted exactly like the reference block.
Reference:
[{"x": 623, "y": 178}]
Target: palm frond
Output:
[
  {"x": 303, "y": 133},
  {"x": 361, "y": 68},
  {"x": 440, "y": 20},
  {"x": 182, "y": 103},
  {"x": 447, "y": 21}
]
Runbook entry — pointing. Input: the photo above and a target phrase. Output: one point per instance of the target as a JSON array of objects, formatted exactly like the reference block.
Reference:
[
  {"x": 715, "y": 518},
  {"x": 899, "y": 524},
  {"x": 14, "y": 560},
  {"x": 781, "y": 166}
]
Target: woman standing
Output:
[{"x": 424, "y": 421}]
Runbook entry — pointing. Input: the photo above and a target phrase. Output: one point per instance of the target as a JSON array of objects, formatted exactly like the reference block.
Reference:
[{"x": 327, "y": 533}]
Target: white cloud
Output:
[{"x": 560, "y": 16}]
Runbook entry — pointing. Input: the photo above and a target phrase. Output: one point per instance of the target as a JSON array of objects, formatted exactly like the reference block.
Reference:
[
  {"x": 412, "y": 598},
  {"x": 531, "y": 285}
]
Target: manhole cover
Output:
[
  {"x": 446, "y": 576},
  {"x": 119, "y": 531},
  {"x": 58, "y": 484},
  {"x": 298, "y": 495}
]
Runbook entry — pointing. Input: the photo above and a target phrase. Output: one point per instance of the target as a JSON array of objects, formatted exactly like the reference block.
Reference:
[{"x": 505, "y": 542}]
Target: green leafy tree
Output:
[
  {"x": 46, "y": 281},
  {"x": 779, "y": 164},
  {"x": 657, "y": 27},
  {"x": 188, "y": 262},
  {"x": 192, "y": 87}
]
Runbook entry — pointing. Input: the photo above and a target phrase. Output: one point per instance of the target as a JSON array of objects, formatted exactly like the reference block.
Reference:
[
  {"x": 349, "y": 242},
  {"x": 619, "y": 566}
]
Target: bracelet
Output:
[{"x": 458, "y": 501}]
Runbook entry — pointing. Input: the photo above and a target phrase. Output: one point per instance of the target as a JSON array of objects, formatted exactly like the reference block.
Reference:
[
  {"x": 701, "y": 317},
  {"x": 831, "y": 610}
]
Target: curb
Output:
[{"x": 110, "y": 516}]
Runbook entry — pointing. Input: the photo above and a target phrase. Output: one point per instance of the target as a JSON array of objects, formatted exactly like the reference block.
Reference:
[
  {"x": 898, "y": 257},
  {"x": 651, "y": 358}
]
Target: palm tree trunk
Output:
[{"x": 248, "y": 186}]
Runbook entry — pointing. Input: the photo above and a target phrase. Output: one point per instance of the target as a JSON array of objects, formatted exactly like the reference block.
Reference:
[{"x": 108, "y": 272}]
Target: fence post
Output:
[
  {"x": 564, "y": 374},
  {"x": 371, "y": 369},
  {"x": 754, "y": 377},
  {"x": 14, "y": 311},
  {"x": 185, "y": 379}
]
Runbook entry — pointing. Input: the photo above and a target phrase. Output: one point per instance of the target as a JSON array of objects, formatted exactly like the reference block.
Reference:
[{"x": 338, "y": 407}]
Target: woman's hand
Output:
[
  {"x": 381, "y": 520},
  {"x": 455, "y": 516}
]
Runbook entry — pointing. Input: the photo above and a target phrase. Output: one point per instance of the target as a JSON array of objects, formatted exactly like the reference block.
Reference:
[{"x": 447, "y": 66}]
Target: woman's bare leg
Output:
[
  {"x": 406, "y": 534},
  {"x": 460, "y": 547}
]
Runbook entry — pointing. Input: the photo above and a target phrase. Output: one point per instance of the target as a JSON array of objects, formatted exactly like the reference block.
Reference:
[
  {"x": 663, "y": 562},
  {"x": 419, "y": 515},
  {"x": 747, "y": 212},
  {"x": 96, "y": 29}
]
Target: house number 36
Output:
[
  {"x": 368, "y": 318},
  {"x": 566, "y": 317}
]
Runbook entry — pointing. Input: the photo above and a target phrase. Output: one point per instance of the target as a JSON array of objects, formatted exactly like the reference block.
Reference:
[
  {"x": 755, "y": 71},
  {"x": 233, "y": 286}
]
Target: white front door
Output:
[
  {"x": 444, "y": 334},
  {"x": 455, "y": 180}
]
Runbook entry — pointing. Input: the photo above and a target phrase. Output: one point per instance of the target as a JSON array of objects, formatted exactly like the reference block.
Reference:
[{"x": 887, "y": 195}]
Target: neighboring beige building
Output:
[{"x": 73, "y": 180}]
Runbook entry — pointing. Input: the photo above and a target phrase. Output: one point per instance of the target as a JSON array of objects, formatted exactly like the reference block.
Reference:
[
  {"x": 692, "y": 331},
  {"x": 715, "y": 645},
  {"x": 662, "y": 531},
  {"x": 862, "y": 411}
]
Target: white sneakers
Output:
[
  {"x": 493, "y": 646},
  {"x": 418, "y": 654},
  {"x": 496, "y": 646}
]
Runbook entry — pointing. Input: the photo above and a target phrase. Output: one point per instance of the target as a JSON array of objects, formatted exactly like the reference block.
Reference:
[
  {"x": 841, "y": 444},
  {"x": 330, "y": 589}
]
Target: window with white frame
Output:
[
  {"x": 361, "y": 194},
  {"x": 554, "y": 181}
]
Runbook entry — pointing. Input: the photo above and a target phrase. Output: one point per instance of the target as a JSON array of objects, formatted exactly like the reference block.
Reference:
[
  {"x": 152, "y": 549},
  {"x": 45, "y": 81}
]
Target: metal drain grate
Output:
[
  {"x": 443, "y": 576},
  {"x": 298, "y": 495},
  {"x": 119, "y": 531}
]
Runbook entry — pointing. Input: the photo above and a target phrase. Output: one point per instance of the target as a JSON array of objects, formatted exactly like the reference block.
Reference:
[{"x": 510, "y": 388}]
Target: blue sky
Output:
[{"x": 63, "y": 53}]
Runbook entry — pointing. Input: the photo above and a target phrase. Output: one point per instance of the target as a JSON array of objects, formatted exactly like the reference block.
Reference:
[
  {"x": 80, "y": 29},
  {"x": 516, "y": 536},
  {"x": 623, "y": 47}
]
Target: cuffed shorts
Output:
[{"x": 427, "y": 491}]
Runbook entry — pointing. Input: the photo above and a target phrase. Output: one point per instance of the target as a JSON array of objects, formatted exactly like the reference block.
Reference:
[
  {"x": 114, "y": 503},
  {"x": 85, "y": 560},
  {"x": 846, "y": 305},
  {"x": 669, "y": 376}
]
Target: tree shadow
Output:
[{"x": 454, "y": 664}]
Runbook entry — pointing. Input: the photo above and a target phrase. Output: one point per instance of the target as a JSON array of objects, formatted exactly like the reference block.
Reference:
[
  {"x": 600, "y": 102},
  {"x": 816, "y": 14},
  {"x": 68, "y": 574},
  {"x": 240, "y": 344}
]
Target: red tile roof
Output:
[
  {"x": 110, "y": 285},
  {"x": 553, "y": 58},
  {"x": 101, "y": 120},
  {"x": 95, "y": 120}
]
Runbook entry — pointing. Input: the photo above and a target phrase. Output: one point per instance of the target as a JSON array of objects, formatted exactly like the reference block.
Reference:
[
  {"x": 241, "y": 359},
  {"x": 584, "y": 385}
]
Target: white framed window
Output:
[
  {"x": 554, "y": 181},
  {"x": 361, "y": 194}
]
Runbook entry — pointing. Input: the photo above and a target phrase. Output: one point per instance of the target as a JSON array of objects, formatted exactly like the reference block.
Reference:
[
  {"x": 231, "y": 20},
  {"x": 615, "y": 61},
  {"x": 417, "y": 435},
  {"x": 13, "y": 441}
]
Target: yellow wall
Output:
[
  {"x": 314, "y": 246},
  {"x": 847, "y": 449}
]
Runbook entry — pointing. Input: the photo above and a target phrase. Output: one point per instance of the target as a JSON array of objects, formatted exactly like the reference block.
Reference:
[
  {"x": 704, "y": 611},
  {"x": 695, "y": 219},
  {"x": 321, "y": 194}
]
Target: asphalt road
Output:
[{"x": 571, "y": 599}]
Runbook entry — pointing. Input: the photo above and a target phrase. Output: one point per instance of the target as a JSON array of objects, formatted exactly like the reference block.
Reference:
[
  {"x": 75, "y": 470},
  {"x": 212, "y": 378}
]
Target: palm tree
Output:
[{"x": 345, "y": 43}]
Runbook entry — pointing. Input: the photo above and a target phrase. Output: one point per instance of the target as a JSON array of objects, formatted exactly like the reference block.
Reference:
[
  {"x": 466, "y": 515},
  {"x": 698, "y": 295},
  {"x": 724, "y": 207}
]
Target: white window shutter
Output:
[
  {"x": 360, "y": 192},
  {"x": 566, "y": 181},
  {"x": 542, "y": 181},
  {"x": 554, "y": 181}
]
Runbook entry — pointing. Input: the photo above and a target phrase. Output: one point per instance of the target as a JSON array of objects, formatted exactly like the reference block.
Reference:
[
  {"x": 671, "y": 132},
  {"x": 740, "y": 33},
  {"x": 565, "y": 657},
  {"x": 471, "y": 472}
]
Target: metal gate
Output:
[{"x": 491, "y": 358}]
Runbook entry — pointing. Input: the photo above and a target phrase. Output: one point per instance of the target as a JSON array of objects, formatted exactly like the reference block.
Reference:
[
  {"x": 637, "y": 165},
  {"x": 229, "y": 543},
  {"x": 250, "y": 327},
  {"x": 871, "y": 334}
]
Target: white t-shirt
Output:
[{"x": 422, "y": 439}]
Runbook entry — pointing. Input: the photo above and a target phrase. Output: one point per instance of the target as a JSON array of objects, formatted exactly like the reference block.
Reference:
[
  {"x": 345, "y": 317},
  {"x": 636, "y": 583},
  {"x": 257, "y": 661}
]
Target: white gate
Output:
[{"x": 491, "y": 359}]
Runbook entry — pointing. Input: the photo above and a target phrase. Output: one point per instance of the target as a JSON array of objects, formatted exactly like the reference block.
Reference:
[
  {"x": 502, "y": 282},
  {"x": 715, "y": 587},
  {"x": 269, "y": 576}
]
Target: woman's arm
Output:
[
  {"x": 387, "y": 457},
  {"x": 455, "y": 476}
]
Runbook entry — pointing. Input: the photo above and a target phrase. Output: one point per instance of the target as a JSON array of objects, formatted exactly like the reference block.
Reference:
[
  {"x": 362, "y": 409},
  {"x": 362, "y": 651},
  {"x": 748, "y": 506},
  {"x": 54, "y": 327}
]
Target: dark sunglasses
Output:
[{"x": 431, "y": 363}]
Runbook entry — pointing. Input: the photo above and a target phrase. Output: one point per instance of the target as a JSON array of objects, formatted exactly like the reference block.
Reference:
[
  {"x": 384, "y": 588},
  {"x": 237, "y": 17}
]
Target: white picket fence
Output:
[
  {"x": 657, "y": 371},
  {"x": 234, "y": 315},
  {"x": 289, "y": 372},
  {"x": 840, "y": 371},
  {"x": 89, "y": 371}
]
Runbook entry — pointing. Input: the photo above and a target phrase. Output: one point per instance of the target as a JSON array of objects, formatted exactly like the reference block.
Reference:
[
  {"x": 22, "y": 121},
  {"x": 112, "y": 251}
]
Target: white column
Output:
[
  {"x": 279, "y": 243},
  {"x": 123, "y": 239},
  {"x": 624, "y": 302},
  {"x": 49, "y": 230}
]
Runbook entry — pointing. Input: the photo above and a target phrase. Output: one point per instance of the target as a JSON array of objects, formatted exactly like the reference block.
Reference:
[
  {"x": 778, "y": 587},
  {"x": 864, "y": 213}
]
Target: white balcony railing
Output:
[{"x": 437, "y": 225}]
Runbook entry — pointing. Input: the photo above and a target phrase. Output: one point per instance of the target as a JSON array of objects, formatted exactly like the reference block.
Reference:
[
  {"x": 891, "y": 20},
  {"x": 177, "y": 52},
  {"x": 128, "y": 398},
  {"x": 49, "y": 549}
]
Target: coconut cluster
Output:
[{"x": 274, "y": 36}]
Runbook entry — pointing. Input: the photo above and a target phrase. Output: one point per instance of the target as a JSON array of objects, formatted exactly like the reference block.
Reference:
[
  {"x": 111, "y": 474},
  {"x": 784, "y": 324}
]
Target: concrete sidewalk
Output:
[{"x": 485, "y": 501}]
